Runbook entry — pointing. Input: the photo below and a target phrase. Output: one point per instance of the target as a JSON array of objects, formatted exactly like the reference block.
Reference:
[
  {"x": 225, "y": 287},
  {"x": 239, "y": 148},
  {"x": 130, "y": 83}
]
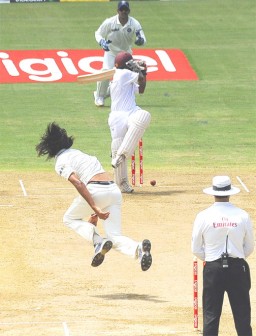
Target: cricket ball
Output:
[{"x": 153, "y": 182}]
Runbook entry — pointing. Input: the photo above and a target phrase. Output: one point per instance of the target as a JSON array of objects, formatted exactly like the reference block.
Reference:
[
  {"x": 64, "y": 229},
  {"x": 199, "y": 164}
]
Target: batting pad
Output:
[
  {"x": 137, "y": 124},
  {"x": 121, "y": 173}
]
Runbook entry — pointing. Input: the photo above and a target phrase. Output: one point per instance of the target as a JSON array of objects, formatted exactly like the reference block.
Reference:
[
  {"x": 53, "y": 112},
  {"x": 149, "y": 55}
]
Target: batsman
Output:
[{"x": 127, "y": 121}]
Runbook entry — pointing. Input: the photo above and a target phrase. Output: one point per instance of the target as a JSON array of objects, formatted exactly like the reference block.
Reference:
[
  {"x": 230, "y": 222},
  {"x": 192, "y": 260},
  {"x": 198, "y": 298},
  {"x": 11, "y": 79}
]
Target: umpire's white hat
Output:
[{"x": 221, "y": 186}]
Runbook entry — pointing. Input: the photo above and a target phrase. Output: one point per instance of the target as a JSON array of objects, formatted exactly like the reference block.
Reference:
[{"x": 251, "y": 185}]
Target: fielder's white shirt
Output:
[
  {"x": 70, "y": 161},
  {"x": 122, "y": 37},
  {"x": 214, "y": 224}
]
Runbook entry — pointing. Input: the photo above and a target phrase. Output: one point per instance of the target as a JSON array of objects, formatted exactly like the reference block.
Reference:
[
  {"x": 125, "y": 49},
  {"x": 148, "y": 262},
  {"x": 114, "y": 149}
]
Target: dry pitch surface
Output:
[{"x": 48, "y": 287}]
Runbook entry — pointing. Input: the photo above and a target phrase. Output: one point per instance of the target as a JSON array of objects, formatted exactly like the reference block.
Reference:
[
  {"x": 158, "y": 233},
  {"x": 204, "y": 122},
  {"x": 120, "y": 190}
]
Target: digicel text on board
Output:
[{"x": 51, "y": 66}]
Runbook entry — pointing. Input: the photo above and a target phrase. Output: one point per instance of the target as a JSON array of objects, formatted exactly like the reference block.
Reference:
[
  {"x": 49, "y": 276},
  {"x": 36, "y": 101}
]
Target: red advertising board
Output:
[{"x": 51, "y": 66}]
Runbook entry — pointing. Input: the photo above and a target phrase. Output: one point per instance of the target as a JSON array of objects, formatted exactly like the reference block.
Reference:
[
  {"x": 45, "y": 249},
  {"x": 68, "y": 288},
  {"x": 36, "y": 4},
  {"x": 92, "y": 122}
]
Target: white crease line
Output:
[
  {"x": 66, "y": 330},
  {"x": 23, "y": 188},
  {"x": 6, "y": 205},
  {"x": 52, "y": 195},
  {"x": 170, "y": 332},
  {"x": 25, "y": 323},
  {"x": 243, "y": 185},
  {"x": 54, "y": 189}
]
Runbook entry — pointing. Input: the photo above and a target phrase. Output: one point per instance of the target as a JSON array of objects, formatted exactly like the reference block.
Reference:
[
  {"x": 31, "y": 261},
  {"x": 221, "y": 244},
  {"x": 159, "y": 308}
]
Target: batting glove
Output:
[
  {"x": 104, "y": 44},
  {"x": 133, "y": 66},
  {"x": 143, "y": 67},
  {"x": 139, "y": 40}
]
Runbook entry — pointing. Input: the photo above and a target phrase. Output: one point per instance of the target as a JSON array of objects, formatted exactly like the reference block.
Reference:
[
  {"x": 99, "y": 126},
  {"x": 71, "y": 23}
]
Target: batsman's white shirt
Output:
[
  {"x": 121, "y": 37},
  {"x": 123, "y": 89},
  {"x": 214, "y": 224}
]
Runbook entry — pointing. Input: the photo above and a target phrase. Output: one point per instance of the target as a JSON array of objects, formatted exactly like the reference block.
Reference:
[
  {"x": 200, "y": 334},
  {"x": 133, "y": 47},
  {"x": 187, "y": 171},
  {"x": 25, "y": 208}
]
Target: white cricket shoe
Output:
[
  {"x": 100, "y": 250},
  {"x": 126, "y": 188},
  {"x": 117, "y": 160},
  {"x": 99, "y": 101},
  {"x": 144, "y": 254}
]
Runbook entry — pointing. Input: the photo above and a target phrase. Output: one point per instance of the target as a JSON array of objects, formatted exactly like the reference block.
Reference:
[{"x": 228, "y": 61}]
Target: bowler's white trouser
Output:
[{"x": 108, "y": 198}]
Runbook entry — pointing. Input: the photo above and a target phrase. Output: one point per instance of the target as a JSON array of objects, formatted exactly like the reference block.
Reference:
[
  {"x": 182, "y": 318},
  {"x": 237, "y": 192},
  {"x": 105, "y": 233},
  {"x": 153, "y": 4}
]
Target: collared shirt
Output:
[
  {"x": 70, "y": 161},
  {"x": 121, "y": 37},
  {"x": 222, "y": 226},
  {"x": 123, "y": 89}
]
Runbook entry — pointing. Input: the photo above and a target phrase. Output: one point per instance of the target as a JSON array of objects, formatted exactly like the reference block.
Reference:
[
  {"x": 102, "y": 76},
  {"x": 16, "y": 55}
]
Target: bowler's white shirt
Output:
[
  {"x": 74, "y": 161},
  {"x": 122, "y": 37},
  {"x": 214, "y": 224}
]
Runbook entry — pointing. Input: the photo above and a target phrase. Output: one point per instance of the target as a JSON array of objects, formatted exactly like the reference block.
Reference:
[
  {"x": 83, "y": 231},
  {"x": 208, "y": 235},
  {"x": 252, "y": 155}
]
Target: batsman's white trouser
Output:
[
  {"x": 133, "y": 127},
  {"x": 103, "y": 86},
  {"x": 108, "y": 198}
]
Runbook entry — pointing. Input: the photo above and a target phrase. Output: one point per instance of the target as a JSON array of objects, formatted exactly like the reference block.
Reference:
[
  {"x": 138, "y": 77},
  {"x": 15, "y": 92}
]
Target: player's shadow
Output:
[
  {"x": 156, "y": 193},
  {"x": 130, "y": 296}
]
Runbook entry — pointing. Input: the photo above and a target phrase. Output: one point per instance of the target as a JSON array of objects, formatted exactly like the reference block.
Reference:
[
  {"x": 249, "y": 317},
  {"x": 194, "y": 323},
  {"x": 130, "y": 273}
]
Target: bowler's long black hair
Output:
[{"x": 53, "y": 140}]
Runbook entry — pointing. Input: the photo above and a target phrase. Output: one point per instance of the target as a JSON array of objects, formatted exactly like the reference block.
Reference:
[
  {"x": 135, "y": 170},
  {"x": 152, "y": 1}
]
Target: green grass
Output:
[{"x": 195, "y": 124}]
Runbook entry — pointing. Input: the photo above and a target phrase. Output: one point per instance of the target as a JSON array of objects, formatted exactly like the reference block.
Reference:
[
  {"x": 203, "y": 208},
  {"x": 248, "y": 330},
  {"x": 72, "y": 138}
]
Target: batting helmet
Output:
[{"x": 121, "y": 59}]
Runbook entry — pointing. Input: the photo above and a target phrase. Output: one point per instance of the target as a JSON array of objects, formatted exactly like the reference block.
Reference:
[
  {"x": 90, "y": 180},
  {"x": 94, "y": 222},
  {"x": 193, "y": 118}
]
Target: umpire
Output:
[{"x": 223, "y": 237}]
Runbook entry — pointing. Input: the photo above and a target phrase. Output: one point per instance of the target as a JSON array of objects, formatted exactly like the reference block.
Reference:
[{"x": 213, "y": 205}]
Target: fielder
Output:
[
  {"x": 116, "y": 34},
  {"x": 127, "y": 121},
  {"x": 97, "y": 194}
]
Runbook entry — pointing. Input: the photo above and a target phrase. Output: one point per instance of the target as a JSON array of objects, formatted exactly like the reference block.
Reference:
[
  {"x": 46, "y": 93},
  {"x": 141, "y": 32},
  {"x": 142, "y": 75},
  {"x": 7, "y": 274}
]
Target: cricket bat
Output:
[{"x": 95, "y": 77}]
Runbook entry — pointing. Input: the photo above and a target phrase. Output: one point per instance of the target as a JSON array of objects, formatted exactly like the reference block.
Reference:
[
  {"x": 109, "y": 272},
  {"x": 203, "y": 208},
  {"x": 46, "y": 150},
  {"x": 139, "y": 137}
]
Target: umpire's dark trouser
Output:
[{"x": 235, "y": 280}]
